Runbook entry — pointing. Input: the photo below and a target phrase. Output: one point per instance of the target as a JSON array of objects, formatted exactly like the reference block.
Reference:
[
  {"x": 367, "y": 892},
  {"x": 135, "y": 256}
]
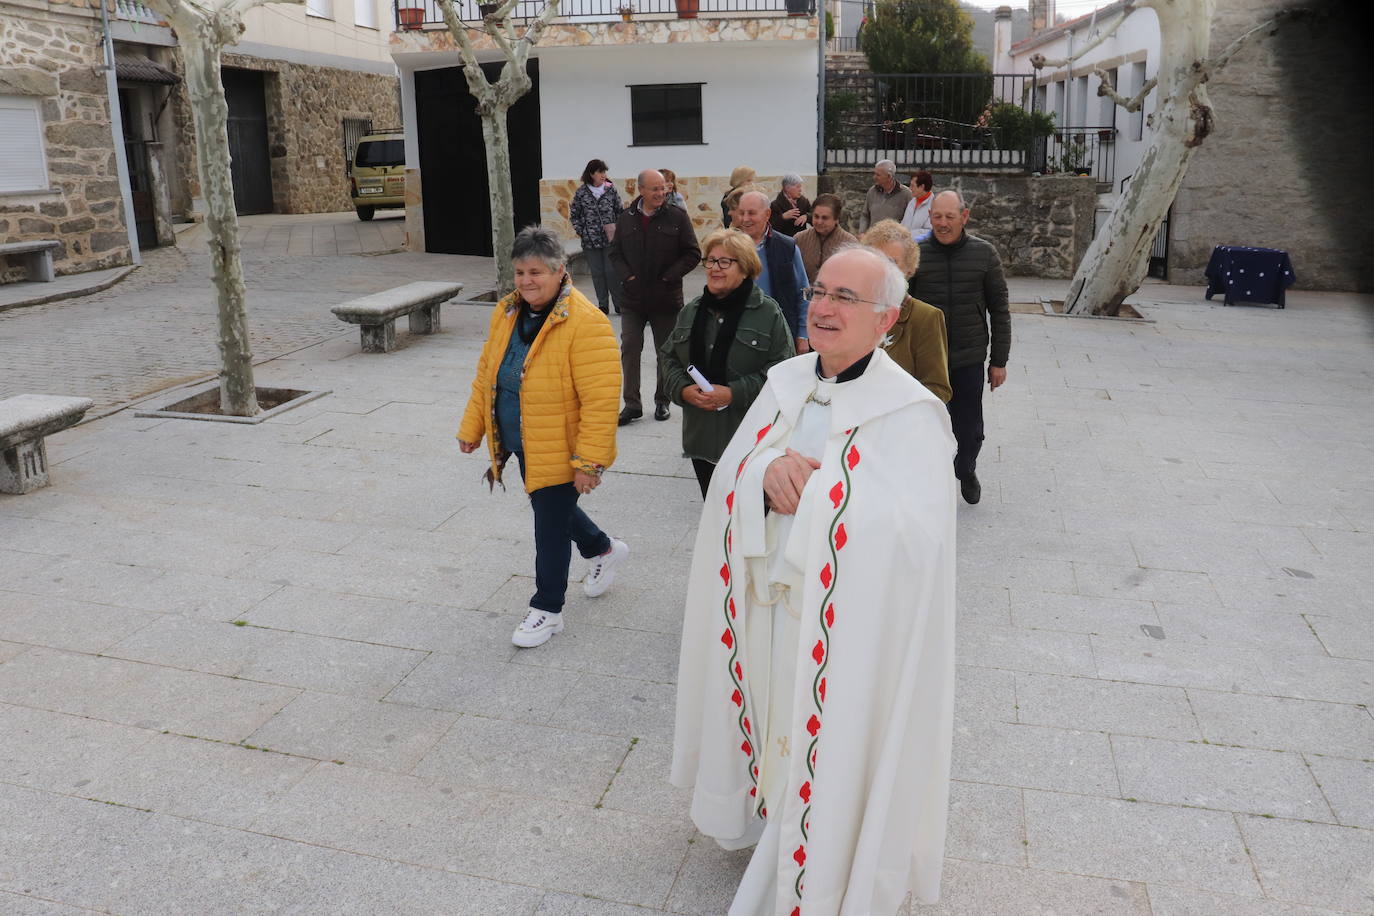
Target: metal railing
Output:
[
  {"x": 1079, "y": 150},
  {"x": 839, "y": 45},
  {"x": 924, "y": 120},
  {"x": 134, "y": 11},
  {"x": 414, "y": 14}
]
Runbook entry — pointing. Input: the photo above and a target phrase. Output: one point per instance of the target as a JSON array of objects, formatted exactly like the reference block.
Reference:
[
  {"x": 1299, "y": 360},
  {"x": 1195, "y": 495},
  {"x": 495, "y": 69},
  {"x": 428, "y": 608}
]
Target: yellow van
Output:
[{"x": 379, "y": 173}]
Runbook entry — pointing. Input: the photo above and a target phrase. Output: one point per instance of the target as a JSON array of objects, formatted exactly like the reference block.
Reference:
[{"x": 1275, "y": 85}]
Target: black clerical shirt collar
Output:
[{"x": 849, "y": 374}]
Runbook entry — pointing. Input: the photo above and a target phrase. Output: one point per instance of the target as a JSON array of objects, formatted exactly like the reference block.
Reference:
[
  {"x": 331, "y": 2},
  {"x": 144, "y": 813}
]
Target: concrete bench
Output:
[
  {"x": 24, "y": 420},
  {"x": 37, "y": 257},
  {"x": 378, "y": 312}
]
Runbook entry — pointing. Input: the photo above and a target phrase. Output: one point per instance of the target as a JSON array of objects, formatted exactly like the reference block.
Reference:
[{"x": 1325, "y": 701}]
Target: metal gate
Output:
[
  {"x": 250, "y": 167},
  {"x": 354, "y": 129},
  {"x": 1159, "y": 254}
]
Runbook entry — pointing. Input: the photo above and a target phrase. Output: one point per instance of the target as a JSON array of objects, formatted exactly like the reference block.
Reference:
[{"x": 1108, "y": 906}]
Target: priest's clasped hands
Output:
[{"x": 785, "y": 479}]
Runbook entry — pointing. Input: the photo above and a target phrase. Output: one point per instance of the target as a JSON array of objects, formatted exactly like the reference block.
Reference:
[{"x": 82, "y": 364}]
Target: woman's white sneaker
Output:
[
  {"x": 537, "y": 628},
  {"x": 603, "y": 568}
]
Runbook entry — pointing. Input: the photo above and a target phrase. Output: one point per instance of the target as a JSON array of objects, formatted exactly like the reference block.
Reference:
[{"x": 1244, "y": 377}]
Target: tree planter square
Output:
[{"x": 204, "y": 405}]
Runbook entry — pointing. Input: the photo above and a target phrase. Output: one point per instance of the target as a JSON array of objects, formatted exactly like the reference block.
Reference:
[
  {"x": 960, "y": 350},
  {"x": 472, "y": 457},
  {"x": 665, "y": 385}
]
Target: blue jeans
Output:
[{"x": 558, "y": 523}]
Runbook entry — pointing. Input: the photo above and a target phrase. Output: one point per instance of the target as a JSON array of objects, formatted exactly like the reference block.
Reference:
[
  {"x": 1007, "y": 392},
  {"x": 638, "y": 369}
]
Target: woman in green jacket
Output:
[{"x": 732, "y": 334}]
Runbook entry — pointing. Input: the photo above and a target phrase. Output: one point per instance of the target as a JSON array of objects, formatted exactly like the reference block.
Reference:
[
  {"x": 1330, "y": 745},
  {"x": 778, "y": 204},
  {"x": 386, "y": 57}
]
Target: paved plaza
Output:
[{"x": 267, "y": 669}]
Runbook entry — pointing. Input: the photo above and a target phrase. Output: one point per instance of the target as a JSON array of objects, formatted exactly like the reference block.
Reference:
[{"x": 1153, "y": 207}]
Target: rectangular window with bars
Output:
[
  {"x": 353, "y": 130},
  {"x": 666, "y": 114},
  {"x": 23, "y": 166}
]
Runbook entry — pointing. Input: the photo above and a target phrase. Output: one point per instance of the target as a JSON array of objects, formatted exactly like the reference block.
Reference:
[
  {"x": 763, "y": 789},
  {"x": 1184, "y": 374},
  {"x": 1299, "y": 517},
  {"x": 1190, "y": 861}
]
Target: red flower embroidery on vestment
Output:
[
  {"x": 800, "y": 855},
  {"x": 813, "y": 725},
  {"x": 756, "y": 771},
  {"x": 731, "y": 605},
  {"x": 841, "y": 537},
  {"x": 728, "y": 638},
  {"x": 805, "y": 792},
  {"x": 837, "y": 494},
  {"x": 852, "y": 458},
  {"x": 738, "y": 699},
  {"x": 826, "y": 576},
  {"x": 725, "y": 573},
  {"x": 761, "y": 433},
  {"x": 763, "y": 813},
  {"x": 820, "y": 690},
  {"x": 747, "y": 729},
  {"x": 745, "y": 746},
  {"x": 730, "y": 501},
  {"x": 830, "y": 616},
  {"x": 739, "y": 672},
  {"x": 729, "y": 541},
  {"x": 813, "y": 760},
  {"x": 796, "y": 911},
  {"x": 753, "y": 791},
  {"x": 818, "y": 653}
]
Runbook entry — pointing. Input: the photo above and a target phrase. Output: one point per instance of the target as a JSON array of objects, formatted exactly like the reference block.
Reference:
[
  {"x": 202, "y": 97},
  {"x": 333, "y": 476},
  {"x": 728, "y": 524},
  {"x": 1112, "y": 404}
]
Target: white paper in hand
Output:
[{"x": 704, "y": 385}]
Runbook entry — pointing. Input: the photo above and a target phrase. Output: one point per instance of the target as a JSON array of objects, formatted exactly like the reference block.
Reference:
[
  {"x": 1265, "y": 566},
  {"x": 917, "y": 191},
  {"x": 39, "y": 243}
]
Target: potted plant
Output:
[
  {"x": 409, "y": 15},
  {"x": 799, "y": 7},
  {"x": 687, "y": 9},
  {"x": 487, "y": 9},
  {"x": 1106, "y": 135},
  {"x": 626, "y": 11}
]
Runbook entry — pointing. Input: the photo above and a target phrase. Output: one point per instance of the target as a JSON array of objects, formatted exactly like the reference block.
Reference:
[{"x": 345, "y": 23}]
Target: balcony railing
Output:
[
  {"x": 414, "y": 14},
  {"x": 1079, "y": 150},
  {"x": 134, "y": 11},
  {"x": 848, "y": 45}
]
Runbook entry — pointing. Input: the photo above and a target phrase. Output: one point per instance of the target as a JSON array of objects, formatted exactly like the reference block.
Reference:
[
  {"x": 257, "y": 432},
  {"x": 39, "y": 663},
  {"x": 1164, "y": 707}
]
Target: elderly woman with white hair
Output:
[
  {"x": 816, "y": 681},
  {"x": 546, "y": 391},
  {"x": 791, "y": 209}
]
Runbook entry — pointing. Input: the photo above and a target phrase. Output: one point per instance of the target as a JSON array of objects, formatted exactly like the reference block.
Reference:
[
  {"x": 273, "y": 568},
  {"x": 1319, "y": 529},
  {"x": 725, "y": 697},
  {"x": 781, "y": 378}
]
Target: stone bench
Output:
[
  {"x": 24, "y": 420},
  {"x": 378, "y": 312},
  {"x": 37, "y": 257}
]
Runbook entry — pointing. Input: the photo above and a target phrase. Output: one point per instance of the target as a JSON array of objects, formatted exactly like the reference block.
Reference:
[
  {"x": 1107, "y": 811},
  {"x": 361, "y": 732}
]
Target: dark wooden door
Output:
[
  {"x": 250, "y": 167},
  {"x": 453, "y": 160}
]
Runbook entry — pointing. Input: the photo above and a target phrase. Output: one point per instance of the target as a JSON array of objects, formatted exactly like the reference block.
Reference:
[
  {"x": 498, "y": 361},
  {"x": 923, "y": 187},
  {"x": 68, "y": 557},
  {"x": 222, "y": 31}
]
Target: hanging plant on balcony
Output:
[
  {"x": 626, "y": 11},
  {"x": 486, "y": 9},
  {"x": 687, "y": 9}
]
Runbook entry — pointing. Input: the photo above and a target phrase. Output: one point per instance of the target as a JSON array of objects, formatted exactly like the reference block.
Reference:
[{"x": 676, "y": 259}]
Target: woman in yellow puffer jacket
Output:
[{"x": 547, "y": 391}]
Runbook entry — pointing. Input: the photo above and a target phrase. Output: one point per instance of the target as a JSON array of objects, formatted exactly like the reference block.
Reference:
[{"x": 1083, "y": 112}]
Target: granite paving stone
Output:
[
  {"x": 356, "y": 730},
  {"x": 1202, "y": 475},
  {"x": 1213, "y": 776},
  {"x": 987, "y": 889},
  {"x": 1279, "y": 723},
  {"x": 1348, "y": 786},
  {"x": 1112, "y": 706},
  {"x": 1312, "y": 864},
  {"x": 518, "y": 758},
  {"x": 1137, "y": 841}
]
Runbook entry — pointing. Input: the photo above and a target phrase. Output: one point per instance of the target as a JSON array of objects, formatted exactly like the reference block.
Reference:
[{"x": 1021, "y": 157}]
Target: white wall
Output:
[
  {"x": 1139, "y": 33},
  {"x": 758, "y": 107}
]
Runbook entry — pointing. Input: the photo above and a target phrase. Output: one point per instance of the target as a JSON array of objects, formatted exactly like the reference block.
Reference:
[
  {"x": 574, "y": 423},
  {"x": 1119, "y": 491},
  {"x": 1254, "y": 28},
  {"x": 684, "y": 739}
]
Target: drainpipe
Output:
[
  {"x": 117, "y": 131},
  {"x": 820, "y": 93}
]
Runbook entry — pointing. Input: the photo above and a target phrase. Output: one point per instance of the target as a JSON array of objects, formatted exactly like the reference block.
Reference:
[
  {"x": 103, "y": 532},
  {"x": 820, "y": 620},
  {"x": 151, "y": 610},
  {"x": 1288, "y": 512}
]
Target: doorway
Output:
[
  {"x": 453, "y": 160},
  {"x": 250, "y": 168}
]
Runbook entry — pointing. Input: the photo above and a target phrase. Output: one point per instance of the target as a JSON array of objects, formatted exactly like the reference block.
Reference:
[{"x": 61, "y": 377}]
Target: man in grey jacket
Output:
[
  {"x": 961, "y": 274},
  {"x": 886, "y": 199}
]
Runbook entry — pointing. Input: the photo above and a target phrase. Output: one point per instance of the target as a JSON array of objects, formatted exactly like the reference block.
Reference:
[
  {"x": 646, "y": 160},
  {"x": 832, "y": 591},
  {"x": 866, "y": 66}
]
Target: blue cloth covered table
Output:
[{"x": 1244, "y": 274}]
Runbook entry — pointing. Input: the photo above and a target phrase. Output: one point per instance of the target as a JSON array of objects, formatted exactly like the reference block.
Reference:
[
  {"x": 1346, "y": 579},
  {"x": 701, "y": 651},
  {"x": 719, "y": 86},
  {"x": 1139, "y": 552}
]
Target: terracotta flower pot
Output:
[
  {"x": 687, "y": 9},
  {"x": 410, "y": 17}
]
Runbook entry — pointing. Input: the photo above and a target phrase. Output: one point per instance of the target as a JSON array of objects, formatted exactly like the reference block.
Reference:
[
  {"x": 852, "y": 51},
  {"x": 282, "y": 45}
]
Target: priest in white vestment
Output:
[{"x": 816, "y": 682}]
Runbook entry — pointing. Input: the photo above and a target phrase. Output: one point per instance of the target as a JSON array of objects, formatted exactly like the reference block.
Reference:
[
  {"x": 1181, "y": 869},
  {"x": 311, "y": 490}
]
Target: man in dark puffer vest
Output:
[
  {"x": 784, "y": 275},
  {"x": 961, "y": 274}
]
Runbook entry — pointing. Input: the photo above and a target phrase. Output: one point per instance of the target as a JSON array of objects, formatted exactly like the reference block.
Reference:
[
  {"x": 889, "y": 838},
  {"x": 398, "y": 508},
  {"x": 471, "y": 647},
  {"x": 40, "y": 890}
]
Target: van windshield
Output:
[{"x": 374, "y": 154}]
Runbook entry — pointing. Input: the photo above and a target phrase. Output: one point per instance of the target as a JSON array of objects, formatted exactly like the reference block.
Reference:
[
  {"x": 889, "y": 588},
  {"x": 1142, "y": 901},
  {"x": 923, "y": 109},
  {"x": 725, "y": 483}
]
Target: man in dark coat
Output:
[
  {"x": 654, "y": 248},
  {"x": 962, "y": 275}
]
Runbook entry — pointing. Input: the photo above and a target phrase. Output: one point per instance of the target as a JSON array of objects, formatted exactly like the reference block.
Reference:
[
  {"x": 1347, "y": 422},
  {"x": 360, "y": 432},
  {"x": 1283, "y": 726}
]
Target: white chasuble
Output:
[{"x": 815, "y": 685}]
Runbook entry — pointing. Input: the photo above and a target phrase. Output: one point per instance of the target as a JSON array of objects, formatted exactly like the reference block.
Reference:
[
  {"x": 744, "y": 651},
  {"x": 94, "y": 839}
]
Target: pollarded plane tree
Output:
[
  {"x": 1118, "y": 259},
  {"x": 203, "y": 29},
  {"x": 494, "y": 100}
]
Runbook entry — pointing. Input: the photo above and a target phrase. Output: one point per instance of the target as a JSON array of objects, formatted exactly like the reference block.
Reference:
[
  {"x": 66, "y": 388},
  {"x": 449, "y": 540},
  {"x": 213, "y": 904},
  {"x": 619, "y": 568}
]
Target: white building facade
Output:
[{"x": 699, "y": 96}]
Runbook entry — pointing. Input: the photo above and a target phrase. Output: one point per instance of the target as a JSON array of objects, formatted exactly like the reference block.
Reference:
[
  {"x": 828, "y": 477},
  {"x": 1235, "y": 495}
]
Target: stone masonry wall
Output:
[
  {"x": 57, "y": 58},
  {"x": 1287, "y": 164},
  {"x": 306, "y": 107},
  {"x": 1042, "y": 225}
]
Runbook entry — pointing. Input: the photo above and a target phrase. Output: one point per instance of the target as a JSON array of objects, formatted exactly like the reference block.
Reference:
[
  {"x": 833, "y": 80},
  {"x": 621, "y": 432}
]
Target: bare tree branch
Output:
[
  {"x": 1215, "y": 64},
  {"x": 1132, "y": 104},
  {"x": 1039, "y": 60},
  {"x": 536, "y": 28},
  {"x": 476, "y": 79}
]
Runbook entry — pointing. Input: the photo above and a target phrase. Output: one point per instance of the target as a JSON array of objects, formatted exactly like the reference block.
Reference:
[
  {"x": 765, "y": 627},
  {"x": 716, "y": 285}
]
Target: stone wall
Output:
[
  {"x": 57, "y": 58},
  {"x": 306, "y": 107},
  {"x": 702, "y": 195},
  {"x": 1042, "y": 225},
  {"x": 1286, "y": 165}
]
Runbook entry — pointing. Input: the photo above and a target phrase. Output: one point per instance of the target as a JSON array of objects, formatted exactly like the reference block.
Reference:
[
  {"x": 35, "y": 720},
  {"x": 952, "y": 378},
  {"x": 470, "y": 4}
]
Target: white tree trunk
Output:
[
  {"x": 210, "y": 113},
  {"x": 1118, "y": 258},
  {"x": 496, "y": 136}
]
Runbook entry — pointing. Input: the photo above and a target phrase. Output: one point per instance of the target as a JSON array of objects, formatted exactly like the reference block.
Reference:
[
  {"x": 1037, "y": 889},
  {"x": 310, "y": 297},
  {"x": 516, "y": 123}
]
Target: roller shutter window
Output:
[
  {"x": 324, "y": 9},
  {"x": 22, "y": 163},
  {"x": 365, "y": 13}
]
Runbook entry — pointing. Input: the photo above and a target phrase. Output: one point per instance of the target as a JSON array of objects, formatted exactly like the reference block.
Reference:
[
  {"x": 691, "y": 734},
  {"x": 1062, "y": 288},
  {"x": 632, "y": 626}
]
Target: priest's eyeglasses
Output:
[
  {"x": 839, "y": 297},
  {"x": 720, "y": 263}
]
